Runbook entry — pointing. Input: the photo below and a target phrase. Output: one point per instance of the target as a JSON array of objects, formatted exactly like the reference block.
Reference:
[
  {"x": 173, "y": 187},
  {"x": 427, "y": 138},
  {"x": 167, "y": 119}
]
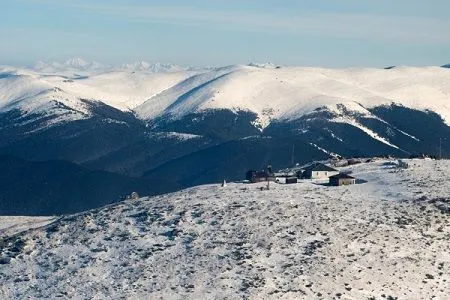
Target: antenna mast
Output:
[{"x": 292, "y": 157}]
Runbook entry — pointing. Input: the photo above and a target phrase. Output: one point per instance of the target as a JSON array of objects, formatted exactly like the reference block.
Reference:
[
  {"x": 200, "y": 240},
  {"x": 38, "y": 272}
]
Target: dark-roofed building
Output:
[
  {"x": 319, "y": 171},
  {"x": 259, "y": 176},
  {"x": 291, "y": 180},
  {"x": 342, "y": 179}
]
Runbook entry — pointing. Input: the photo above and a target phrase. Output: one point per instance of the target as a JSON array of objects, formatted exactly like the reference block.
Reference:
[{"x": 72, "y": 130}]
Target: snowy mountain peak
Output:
[
  {"x": 76, "y": 62},
  {"x": 39, "y": 65},
  {"x": 137, "y": 65},
  {"x": 267, "y": 65},
  {"x": 155, "y": 68}
]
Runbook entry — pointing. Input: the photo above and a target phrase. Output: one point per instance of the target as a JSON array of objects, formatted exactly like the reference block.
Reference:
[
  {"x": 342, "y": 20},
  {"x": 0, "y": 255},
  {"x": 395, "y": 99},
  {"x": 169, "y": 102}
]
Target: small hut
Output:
[
  {"x": 291, "y": 180},
  {"x": 342, "y": 179},
  {"x": 133, "y": 195},
  {"x": 260, "y": 176}
]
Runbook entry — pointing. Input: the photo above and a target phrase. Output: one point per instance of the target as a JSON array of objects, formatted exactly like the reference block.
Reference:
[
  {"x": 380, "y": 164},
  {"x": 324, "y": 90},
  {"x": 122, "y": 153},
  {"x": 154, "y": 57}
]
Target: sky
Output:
[{"x": 326, "y": 33}]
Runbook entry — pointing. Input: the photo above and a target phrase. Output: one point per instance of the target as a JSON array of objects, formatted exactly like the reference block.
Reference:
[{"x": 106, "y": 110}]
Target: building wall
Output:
[
  {"x": 262, "y": 179},
  {"x": 320, "y": 174},
  {"x": 281, "y": 179},
  {"x": 342, "y": 181},
  {"x": 291, "y": 180}
]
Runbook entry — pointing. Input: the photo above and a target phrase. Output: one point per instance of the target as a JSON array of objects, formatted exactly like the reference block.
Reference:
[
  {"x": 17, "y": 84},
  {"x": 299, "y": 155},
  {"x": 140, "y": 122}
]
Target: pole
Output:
[{"x": 292, "y": 157}]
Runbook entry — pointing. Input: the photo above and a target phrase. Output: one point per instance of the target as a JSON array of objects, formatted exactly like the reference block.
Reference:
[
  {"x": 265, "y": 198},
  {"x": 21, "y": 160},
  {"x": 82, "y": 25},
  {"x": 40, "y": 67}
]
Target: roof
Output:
[
  {"x": 320, "y": 167},
  {"x": 342, "y": 176}
]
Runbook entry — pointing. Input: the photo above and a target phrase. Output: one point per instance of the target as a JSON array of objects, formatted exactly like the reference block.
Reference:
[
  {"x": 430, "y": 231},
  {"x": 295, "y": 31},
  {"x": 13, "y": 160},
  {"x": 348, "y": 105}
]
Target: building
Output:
[
  {"x": 286, "y": 179},
  {"x": 318, "y": 171},
  {"x": 259, "y": 176},
  {"x": 283, "y": 176},
  {"x": 403, "y": 164},
  {"x": 133, "y": 195},
  {"x": 342, "y": 179},
  {"x": 291, "y": 180}
]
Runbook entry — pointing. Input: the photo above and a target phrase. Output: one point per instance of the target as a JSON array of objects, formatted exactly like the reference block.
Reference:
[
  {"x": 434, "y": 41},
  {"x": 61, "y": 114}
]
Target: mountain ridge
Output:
[{"x": 282, "y": 93}]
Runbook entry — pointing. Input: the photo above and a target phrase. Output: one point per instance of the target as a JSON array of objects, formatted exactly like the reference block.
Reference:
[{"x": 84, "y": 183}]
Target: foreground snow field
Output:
[{"x": 386, "y": 238}]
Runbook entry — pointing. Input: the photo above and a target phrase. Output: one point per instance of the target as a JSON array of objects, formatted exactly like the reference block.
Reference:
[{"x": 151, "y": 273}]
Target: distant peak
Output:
[
  {"x": 267, "y": 65},
  {"x": 156, "y": 67},
  {"x": 40, "y": 65},
  {"x": 76, "y": 62},
  {"x": 72, "y": 63},
  {"x": 446, "y": 66},
  {"x": 137, "y": 65},
  {"x": 80, "y": 64}
]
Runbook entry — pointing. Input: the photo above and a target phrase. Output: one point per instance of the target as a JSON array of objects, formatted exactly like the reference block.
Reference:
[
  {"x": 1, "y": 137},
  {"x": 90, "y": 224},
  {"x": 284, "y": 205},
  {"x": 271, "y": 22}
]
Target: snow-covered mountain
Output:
[
  {"x": 72, "y": 64},
  {"x": 386, "y": 238},
  {"x": 372, "y": 102},
  {"x": 155, "y": 68},
  {"x": 34, "y": 92},
  {"x": 78, "y": 64},
  {"x": 287, "y": 93},
  {"x": 272, "y": 93}
]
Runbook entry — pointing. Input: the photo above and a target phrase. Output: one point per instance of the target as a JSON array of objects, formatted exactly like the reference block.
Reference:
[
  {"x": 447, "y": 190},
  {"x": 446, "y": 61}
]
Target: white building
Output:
[{"x": 319, "y": 171}]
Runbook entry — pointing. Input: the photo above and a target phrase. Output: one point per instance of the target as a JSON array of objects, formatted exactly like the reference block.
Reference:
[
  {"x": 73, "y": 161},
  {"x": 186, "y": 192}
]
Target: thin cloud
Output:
[{"x": 334, "y": 25}]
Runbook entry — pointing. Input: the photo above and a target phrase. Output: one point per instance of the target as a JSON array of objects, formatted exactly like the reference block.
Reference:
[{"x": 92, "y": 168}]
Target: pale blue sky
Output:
[{"x": 328, "y": 33}]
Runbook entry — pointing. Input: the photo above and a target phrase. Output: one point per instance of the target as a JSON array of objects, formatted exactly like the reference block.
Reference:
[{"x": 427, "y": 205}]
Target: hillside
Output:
[
  {"x": 59, "y": 187},
  {"x": 12, "y": 225},
  {"x": 383, "y": 239}
]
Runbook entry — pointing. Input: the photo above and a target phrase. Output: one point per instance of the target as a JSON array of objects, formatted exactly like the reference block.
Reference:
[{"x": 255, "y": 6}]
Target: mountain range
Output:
[{"x": 175, "y": 127}]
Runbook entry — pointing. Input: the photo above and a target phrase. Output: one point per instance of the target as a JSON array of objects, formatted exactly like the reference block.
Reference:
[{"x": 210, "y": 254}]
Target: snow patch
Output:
[
  {"x": 365, "y": 130},
  {"x": 324, "y": 150},
  {"x": 182, "y": 136}
]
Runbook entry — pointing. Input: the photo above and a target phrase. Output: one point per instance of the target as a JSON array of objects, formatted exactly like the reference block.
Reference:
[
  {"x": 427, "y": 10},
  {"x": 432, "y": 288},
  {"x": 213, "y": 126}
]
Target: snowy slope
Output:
[
  {"x": 12, "y": 225},
  {"x": 31, "y": 94},
  {"x": 289, "y": 92},
  {"x": 121, "y": 89},
  {"x": 35, "y": 92},
  {"x": 384, "y": 238}
]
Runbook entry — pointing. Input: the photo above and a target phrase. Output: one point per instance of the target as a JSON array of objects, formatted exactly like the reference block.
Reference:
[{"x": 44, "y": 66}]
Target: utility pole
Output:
[{"x": 292, "y": 157}]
